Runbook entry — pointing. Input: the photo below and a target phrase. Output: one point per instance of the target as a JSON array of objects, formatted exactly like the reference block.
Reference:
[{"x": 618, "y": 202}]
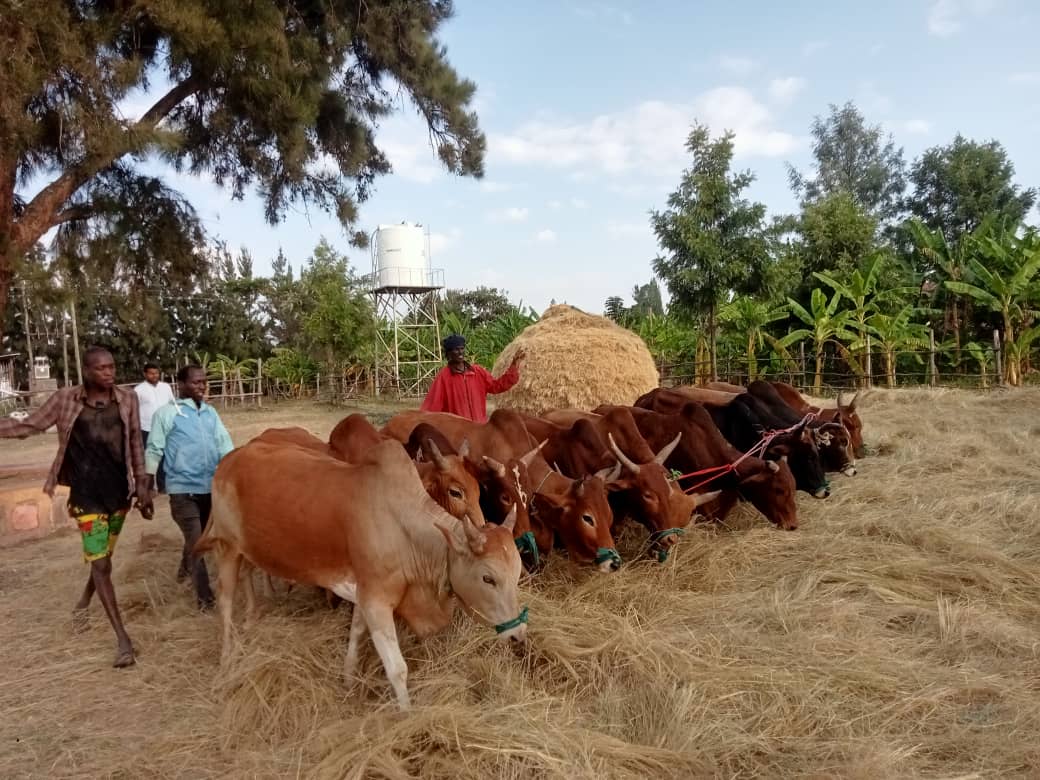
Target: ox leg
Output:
[
  {"x": 227, "y": 571},
  {"x": 380, "y": 621},
  {"x": 250, "y": 597},
  {"x": 357, "y": 635}
]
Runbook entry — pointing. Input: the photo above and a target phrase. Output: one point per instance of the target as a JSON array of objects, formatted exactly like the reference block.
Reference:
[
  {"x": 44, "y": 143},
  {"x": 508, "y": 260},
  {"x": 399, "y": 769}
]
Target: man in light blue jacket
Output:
[{"x": 190, "y": 439}]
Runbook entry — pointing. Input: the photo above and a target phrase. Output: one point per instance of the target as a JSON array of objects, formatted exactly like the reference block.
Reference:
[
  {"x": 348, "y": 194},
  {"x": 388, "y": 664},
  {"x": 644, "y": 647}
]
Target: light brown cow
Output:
[{"x": 369, "y": 533}]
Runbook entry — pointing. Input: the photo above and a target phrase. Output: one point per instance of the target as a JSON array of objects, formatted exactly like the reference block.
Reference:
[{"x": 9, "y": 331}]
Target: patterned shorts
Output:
[{"x": 100, "y": 532}]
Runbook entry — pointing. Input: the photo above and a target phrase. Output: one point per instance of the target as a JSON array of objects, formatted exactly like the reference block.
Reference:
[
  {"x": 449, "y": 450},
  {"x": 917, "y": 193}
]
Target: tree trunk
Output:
[
  {"x": 890, "y": 367},
  {"x": 752, "y": 367},
  {"x": 713, "y": 346},
  {"x": 1010, "y": 353},
  {"x": 818, "y": 381}
]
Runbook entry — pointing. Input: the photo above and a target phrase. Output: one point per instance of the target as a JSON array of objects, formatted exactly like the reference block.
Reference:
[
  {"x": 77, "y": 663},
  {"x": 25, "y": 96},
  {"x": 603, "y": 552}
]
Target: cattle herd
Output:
[{"x": 435, "y": 509}]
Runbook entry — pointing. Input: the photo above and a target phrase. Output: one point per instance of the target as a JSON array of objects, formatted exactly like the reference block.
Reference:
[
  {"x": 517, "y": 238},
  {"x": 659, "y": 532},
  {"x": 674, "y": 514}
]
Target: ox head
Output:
[
  {"x": 849, "y": 417},
  {"x": 451, "y": 481},
  {"x": 484, "y": 570},
  {"x": 508, "y": 487},
  {"x": 799, "y": 447},
  {"x": 582, "y": 518},
  {"x": 770, "y": 487},
  {"x": 653, "y": 496},
  {"x": 835, "y": 447}
]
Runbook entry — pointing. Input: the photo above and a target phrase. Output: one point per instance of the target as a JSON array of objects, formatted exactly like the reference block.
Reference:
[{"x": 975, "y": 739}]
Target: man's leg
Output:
[
  {"x": 186, "y": 513},
  {"x": 100, "y": 532}
]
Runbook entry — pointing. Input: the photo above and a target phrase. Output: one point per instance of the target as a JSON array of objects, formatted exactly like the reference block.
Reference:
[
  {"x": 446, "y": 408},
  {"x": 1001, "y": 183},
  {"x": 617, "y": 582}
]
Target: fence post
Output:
[
  {"x": 260, "y": 381},
  {"x": 931, "y": 358},
  {"x": 317, "y": 388},
  {"x": 998, "y": 356}
]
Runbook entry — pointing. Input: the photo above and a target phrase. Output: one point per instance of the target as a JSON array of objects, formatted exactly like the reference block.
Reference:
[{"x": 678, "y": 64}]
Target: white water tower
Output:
[{"x": 404, "y": 288}]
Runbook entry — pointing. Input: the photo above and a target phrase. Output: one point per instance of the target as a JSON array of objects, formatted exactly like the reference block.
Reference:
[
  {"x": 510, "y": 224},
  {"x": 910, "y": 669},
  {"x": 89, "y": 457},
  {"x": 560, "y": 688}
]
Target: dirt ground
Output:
[{"x": 896, "y": 634}]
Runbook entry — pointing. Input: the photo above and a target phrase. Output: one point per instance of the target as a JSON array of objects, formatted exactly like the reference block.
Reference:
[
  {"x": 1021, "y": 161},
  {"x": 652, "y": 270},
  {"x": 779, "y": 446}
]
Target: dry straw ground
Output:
[{"x": 896, "y": 634}]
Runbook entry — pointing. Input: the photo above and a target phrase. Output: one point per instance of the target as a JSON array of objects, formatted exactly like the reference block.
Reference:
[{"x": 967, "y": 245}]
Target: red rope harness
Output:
[{"x": 760, "y": 447}]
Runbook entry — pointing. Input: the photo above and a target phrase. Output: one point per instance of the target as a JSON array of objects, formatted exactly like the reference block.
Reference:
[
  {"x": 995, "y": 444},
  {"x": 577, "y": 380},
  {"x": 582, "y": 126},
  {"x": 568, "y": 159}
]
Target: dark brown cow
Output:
[
  {"x": 846, "y": 415},
  {"x": 557, "y": 507},
  {"x": 645, "y": 490},
  {"x": 768, "y": 485}
]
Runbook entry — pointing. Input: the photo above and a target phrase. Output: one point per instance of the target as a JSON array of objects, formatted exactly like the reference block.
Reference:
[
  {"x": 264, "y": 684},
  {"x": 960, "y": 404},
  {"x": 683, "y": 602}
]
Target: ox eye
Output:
[
  {"x": 504, "y": 498},
  {"x": 455, "y": 493},
  {"x": 489, "y": 580},
  {"x": 648, "y": 496},
  {"x": 589, "y": 520}
]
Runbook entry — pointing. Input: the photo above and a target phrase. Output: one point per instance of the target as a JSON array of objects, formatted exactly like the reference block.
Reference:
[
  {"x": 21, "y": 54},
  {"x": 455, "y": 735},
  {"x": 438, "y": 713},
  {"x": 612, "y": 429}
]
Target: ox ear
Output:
[
  {"x": 510, "y": 522},
  {"x": 667, "y": 450},
  {"x": 464, "y": 449},
  {"x": 453, "y": 534},
  {"x": 609, "y": 474},
  {"x": 495, "y": 466},
  {"x": 700, "y": 499}
]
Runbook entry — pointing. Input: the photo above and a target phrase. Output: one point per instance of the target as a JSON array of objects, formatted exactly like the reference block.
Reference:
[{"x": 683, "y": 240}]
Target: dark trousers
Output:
[{"x": 191, "y": 513}]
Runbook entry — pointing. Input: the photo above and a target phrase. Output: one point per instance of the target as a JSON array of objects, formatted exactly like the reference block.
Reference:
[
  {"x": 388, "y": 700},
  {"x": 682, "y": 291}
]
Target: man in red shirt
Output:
[{"x": 462, "y": 388}]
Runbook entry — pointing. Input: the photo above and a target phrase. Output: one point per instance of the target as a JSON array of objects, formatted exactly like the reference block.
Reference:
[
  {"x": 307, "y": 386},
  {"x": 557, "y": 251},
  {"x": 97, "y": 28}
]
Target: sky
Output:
[{"x": 587, "y": 105}]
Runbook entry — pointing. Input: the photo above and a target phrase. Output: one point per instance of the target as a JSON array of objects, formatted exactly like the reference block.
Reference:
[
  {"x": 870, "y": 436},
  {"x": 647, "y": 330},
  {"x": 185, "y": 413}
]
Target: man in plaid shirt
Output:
[{"x": 101, "y": 460}]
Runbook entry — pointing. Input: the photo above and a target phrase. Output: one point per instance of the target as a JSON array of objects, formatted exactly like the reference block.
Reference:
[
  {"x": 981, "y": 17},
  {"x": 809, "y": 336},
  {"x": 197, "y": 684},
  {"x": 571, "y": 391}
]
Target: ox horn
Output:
[
  {"x": 837, "y": 401},
  {"x": 528, "y": 458},
  {"x": 772, "y": 464},
  {"x": 510, "y": 522},
  {"x": 609, "y": 474},
  {"x": 464, "y": 449},
  {"x": 438, "y": 458},
  {"x": 494, "y": 465},
  {"x": 667, "y": 450},
  {"x": 579, "y": 491},
  {"x": 852, "y": 404},
  {"x": 622, "y": 457},
  {"x": 473, "y": 535}
]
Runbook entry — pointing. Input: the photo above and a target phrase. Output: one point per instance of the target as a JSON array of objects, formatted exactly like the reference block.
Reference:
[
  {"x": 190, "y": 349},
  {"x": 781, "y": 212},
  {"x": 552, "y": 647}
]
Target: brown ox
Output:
[
  {"x": 369, "y": 533},
  {"x": 846, "y": 415},
  {"x": 645, "y": 490},
  {"x": 725, "y": 387},
  {"x": 767, "y": 485},
  {"x": 293, "y": 436}
]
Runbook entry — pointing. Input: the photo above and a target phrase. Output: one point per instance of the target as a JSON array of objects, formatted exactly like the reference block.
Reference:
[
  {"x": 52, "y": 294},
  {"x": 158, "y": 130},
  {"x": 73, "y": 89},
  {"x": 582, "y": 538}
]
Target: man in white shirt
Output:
[{"x": 151, "y": 394}]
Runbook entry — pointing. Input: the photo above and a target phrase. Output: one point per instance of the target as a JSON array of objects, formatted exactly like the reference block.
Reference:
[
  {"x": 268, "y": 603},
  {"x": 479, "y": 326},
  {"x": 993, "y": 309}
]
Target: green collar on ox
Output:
[{"x": 521, "y": 618}]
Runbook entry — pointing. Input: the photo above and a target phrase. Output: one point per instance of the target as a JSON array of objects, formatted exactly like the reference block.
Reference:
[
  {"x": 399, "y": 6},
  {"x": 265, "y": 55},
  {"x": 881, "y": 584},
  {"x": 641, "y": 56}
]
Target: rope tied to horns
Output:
[{"x": 759, "y": 448}]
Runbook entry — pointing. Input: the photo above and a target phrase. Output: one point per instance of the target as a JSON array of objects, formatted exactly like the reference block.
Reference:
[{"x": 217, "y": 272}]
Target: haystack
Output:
[{"x": 576, "y": 360}]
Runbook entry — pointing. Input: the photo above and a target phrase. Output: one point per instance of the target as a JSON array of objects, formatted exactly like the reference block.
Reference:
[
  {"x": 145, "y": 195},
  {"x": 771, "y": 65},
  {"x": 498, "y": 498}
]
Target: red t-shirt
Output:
[{"x": 466, "y": 394}]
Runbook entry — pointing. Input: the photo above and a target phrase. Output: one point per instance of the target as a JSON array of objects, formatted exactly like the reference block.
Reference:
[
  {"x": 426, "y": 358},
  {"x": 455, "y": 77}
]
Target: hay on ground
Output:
[
  {"x": 576, "y": 361},
  {"x": 893, "y": 635}
]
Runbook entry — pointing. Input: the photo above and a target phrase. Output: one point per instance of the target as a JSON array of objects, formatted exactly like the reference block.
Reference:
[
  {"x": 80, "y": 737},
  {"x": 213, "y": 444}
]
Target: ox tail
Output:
[{"x": 207, "y": 541}]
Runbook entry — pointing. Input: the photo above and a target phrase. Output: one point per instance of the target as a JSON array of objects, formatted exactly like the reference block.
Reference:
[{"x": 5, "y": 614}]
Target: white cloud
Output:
[
  {"x": 946, "y": 17},
  {"x": 617, "y": 229},
  {"x": 740, "y": 66},
  {"x": 511, "y": 214},
  {"x": 439, "y": 242},
  {"x": 411, "y": 160},
  {"x": 545, "y": 236},
  {"x": 579, "y": 203},
  {"x": 908, "y": 126},
  {"x": 649, "y": 137},
  {"x": 809, "y": 48},
  {"x": 786, "y": 89},
  {"x": 1025, "y": 77},
  {"x": 555, "y": 205},
  {"x": 495, "y": 186},
  {"x": 604, "y": 12}
]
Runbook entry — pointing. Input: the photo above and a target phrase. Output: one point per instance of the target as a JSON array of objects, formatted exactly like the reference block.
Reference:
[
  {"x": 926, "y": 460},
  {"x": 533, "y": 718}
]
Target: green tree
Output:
[
  {"x": 337, "y": 324},
  {"x": 479, "y": 306},
  {"x": 614, "y": 308},
  {"x": 895, "y": 332},
  {"x": 1004, "y": 284},
  {"x": 855, "y": 158},
  {"x": 826, "y": 324},
  {"x": 647, "y": 299},
  {"x": 713, "y": 240},
  {"x": 750, "y": 317},
  {"x": 837, "y": 234},
  {"x": 957, "y": 186},
  {"x": 273, "y": 94}
]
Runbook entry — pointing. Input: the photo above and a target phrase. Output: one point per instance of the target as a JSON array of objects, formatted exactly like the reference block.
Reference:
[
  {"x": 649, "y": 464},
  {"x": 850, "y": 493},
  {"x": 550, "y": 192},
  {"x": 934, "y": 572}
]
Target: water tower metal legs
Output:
[{"x": 408, "y": 342}]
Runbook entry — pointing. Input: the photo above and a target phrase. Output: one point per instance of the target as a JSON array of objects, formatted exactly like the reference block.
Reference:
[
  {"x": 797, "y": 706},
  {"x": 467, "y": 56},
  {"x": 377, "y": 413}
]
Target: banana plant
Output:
[
  {"x": 1004, "y": 285},
  {"x": 826, "y": 324},
  {"x": 750, "y": 317},
  {"x": 895, "y": 332}
]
